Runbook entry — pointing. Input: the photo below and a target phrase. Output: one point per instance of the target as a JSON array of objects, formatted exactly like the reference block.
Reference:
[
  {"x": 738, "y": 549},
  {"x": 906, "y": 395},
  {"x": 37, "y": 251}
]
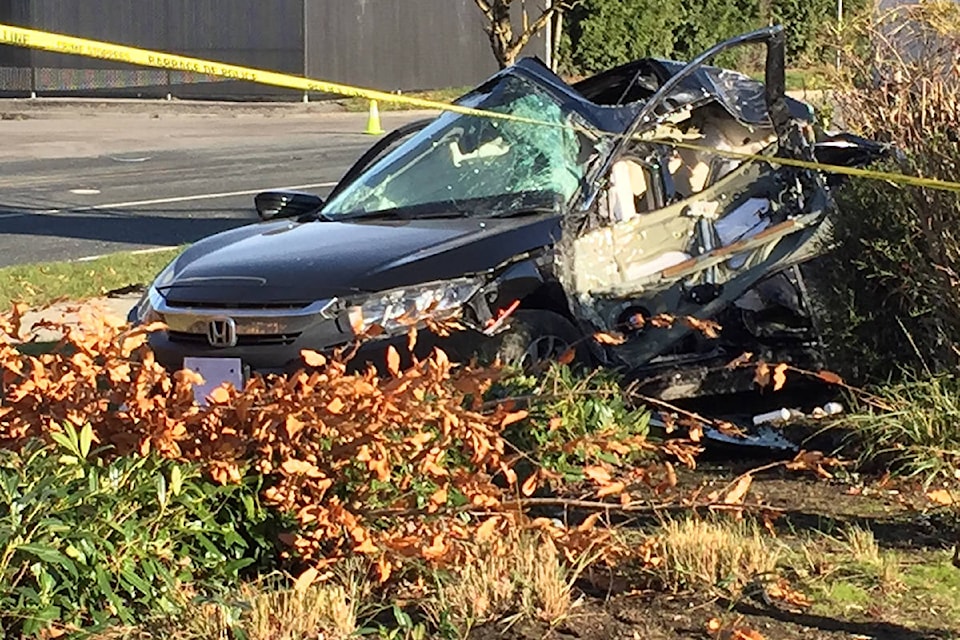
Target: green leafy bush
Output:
[
  {"x": 574, "y": 418},
  {"x": 711, "y": 21},
  {"x": 806, "y": 23},
  {"x": 603, "y": 33},
  {"x": 88, "y": 543}
]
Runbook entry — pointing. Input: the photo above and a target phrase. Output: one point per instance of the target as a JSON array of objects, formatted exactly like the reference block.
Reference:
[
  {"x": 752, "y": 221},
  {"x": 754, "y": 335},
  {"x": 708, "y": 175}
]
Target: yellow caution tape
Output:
[
  {"x": 897, "y": 178},
  {"x": 58, "y": 43}
]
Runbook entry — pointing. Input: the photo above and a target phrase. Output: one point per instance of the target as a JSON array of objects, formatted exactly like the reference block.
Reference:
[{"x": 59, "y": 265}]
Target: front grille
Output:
[{"x": 261, "y": 340}]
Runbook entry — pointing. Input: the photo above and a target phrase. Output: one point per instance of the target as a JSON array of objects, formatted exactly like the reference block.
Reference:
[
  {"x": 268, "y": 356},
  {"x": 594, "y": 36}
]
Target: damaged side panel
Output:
[
  {"x": 695, "y": 256},
  {"x": 688, "y": 231}
]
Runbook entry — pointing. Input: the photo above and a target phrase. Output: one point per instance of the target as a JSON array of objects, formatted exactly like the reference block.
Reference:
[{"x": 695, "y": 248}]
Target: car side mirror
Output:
[{"x": 272, "y": 205}]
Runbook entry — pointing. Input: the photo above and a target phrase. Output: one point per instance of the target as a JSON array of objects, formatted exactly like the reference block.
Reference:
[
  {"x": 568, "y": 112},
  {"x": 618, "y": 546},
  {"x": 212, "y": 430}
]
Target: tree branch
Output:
[
  {"x": 486, "y": 8},
  {"x": 521, "y": 41},
  {"x": 636, "y": 506}
]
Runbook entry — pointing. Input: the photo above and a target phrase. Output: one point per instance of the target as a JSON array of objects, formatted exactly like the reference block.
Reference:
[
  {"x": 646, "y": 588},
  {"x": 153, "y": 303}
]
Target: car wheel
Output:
[{"x": 533, "y": 339}]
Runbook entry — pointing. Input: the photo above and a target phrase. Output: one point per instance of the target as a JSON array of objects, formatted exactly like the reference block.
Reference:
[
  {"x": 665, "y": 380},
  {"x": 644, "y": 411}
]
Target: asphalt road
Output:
[{"x": 95, "y": 179}]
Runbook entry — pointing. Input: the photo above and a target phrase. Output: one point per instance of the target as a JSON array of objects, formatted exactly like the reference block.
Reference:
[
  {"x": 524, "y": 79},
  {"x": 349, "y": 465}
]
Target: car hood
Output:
[{"x": 290, "y": 263}]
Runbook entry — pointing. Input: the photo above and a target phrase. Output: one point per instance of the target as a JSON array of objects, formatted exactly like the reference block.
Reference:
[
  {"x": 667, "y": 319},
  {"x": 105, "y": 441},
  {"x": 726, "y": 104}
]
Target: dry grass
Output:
[
  {"x": 907, "y": 84},
  {"x": 521, "y": 576},
  {"x": 261, "y": 611},
  {"x": 324, "y": 610},
  {"x": 862, "y": 546},
  {"x": 849, "y": 562},
  {"x": 713, "y": 553},
  {"x": 882, "y": 568}
]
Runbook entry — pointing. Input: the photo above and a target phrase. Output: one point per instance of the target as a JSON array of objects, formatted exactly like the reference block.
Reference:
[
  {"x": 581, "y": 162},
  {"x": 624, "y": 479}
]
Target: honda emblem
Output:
[{"x": 222, "y": 333}]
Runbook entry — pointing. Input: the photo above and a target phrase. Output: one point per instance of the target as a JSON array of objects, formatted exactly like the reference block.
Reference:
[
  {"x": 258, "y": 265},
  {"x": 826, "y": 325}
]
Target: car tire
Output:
[{"x": 533, "y": 338}]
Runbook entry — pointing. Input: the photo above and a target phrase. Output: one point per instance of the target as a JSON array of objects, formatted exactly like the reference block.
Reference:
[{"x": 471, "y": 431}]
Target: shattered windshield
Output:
[{"x": 476, "y": 165}]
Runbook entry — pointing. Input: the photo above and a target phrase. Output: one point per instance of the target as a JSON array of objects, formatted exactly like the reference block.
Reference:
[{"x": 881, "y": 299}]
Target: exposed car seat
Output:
[
  {"x": 693, "y": 170},
  {"x": 689, "y": 172},
  {"x": 630, "y": 192}
]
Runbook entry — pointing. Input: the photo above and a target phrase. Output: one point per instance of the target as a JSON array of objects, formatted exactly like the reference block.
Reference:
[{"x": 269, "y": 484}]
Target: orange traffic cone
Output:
[{"x": 373, "y": 120}]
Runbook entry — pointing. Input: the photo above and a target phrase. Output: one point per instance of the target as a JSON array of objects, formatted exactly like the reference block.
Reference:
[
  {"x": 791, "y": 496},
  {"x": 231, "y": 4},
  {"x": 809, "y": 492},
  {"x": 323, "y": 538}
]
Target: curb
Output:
[
  {"x": 33, "y": 107},
  {"x": 71, "y": 313}
]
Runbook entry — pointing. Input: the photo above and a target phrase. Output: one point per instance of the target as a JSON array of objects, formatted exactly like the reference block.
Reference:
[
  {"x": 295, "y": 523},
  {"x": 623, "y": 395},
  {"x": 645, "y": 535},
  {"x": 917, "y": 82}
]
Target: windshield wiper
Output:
[
  {"x": 519, "y": 213},
  {"x": 401, "y": 214}
]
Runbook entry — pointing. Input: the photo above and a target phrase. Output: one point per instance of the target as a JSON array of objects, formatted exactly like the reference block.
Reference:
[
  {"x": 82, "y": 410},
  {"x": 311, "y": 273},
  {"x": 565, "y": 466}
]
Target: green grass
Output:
[
  {"x": 40, "y": 284},
  {"x": 927, "y": 593},
  {"x": 917, "y": 434},
  {"x": 851, "y": 577},
  {"x": 810, "y": 79},
  {"x": 839, "y": 597},
  {"x": 437, "y": 95}
]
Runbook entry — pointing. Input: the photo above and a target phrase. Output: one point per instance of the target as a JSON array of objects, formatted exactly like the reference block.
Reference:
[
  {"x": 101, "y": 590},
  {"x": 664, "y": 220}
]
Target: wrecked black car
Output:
[{"x": 579, "y": 210}]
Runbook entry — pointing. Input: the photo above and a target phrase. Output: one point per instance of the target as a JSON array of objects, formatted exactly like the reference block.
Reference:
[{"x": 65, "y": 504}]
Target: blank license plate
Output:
[{"x": 215, "y": 372}]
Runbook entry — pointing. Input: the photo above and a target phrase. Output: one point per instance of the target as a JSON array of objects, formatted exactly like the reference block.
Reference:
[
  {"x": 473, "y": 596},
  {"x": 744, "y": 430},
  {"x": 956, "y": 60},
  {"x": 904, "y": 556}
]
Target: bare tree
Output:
[{"x": 505, "y": 40}]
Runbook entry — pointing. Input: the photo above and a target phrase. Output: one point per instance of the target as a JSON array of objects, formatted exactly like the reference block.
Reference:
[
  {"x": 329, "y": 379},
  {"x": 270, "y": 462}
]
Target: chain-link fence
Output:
[{"x": 386, "y": 44}]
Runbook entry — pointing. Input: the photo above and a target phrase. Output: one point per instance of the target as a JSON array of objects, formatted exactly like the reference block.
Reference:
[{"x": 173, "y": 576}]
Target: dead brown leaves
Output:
[
  {"x": 764, "y": 376},
  {"x": 708, "y": 328},
  {"x": 782, "y": 591},
  {"x": 611, "y": 339},
  {"x": 739, "y": 490},
  {"x": 735, "y": 630},
  {"x": 779, "y": 376},
  {"x": 310, "y": 431},
  {"x": 383, "y": 466},
  {"x": 943, "y": 497},
  {"x": 815, "y": 462},
  {"x": 386, "y": 466}
]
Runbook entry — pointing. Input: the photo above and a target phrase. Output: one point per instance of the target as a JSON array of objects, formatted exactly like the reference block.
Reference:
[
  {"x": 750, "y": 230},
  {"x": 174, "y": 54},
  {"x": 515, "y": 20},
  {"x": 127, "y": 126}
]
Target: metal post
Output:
[
  {"x": 168, "y": 43},
  {"x": 839, "y": 27},
  {"x": 548, "y": 38},
  {"x": 33, "y": 75},
  {"x": 556, "y": 35},
  {"x": 306, "y": 49}
]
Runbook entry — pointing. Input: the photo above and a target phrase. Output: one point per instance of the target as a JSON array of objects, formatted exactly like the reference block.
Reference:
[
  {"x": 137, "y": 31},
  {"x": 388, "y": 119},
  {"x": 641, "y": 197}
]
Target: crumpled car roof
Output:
[{"x": 596, "y": 98}]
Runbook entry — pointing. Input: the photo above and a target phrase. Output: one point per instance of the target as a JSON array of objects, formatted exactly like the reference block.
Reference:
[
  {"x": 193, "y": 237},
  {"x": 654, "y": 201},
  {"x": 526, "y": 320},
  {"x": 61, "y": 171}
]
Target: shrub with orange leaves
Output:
[
  {"x": 367, "y": 464},
  {"x": 340, "y": 447}
]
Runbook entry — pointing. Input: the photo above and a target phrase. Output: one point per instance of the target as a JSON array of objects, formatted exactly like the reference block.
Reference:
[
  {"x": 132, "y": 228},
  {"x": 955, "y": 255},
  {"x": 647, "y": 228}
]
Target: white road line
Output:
[
  {"x": 203, "y": 196},
  {"x": 138, "y": 252}
]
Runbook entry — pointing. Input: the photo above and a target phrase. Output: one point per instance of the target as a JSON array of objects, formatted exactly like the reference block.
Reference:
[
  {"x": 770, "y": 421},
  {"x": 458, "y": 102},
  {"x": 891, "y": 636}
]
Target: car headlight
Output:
[
  {"x": 146, "y": 309},
  {"x": 399, "y": 309}
]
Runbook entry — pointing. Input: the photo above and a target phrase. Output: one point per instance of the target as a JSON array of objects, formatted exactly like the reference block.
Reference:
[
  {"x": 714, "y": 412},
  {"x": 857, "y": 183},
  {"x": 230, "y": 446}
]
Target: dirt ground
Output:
[
  {"x": 659, "y": 617},
  {"x": 900, "y": 517}
]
